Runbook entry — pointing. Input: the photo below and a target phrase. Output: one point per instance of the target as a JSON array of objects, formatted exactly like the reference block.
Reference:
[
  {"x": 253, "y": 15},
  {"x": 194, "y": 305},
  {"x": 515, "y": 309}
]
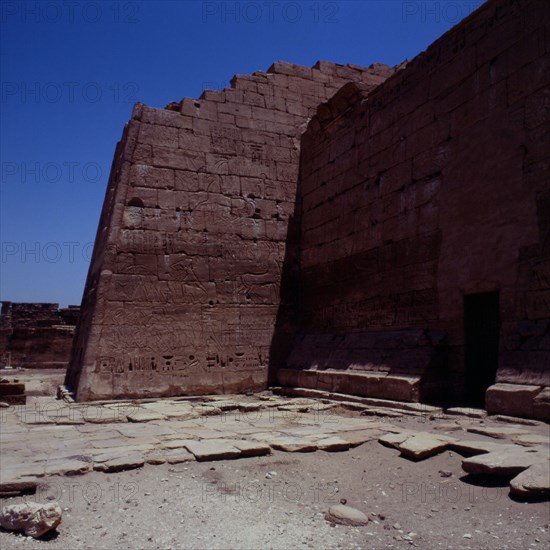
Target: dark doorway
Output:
[{"x": 481, "y": 333}]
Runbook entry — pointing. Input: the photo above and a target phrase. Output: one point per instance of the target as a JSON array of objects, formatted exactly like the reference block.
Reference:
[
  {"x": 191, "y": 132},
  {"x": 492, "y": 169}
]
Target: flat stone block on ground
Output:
[
  {"x": 394, "y": 439},
  {"x": 333, "y": 444},
  {"x": 533, "y": 482},
  {"x": 212, "y": 449},
  {"x": 129, "y": 462},
  {"x": 177, "y": 456},
  {"x": 470, "y": 447},
  {"x": 358, "y": 437},
  {"x": 466, "y": 411},
  {"x": 497, "y": 432},
  {"x": 291, "y": 444},
  {"x": 507, "y": 461},
  {"x": 251, "y": 448},
  {"x": 145, "y": 416},
  {"x": 67, "y": 467},
  {"x": 511, "y": 399},
  {"x": 422, "y": 446},
  {"x": 18, "y": 485}
]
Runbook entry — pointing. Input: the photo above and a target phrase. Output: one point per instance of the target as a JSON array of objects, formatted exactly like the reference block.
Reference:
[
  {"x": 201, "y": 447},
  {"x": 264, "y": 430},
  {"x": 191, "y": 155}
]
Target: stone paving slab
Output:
[
  {"x": 332, "y": 444},
  {"x": 422, "y": 446},
  {"x": 173, "y": 410},
  {"x": 532, "y": 482},
  {"x": 212, "y": 449},
  {"x": 155, "y": 458},
  {"x": 466, "y": 411},
  {"x": 395, "y": 439},
  {"x": 252, "y": 448},
  {"x": 180, "y": 430},
  {"x": 498, "y": 432},
  {"x": 177, "y": 456},
  {"x": 120, "y": 464},
  {"x": 509, "y": 460},
  {"x": 143, "y": 415},
  {"x": 532, "y": 440},
  {"x": 67, "y": 466},
  {"x": 293, "y": 444},
  {"x": 358, "y": 437},
  {"x": 146, "y": 430},
  {"x": 474, "y": 446}
]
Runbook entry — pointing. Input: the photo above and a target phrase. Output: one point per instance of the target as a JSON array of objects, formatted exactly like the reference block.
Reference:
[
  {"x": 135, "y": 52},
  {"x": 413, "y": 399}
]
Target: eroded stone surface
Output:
[
  {"x": 212, "y": 449},
  {"x": 422, "y": 446},
  {"x": 129, "y": 462},
  {"x": 68, "y": 466},
  {"x": 145, "y": 416},
  {"x": 251, "y": 448},
  {"x": 532, "y": 440},
  {"x": 499, "y": 432},
  {"x": 291, "y": 444},
  {"x": 395, "y": 439},
  {"x": 466, "y": 411},
  {"x": 177, "y": 456},
  {"x": 506, "y": 461},
  {"x": 532, "y": 482},
  {"x": 511, "y": 399},
  {"x": 473, "y": 446},
  {"x": 333, "y": 444}
]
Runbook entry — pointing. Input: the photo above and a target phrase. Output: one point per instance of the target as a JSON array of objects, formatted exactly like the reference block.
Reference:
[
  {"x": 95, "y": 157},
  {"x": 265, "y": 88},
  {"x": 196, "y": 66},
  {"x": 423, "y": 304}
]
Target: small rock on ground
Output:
[
  {"x": 346, "y": 515},
  {"x": 33, "y": 519}
]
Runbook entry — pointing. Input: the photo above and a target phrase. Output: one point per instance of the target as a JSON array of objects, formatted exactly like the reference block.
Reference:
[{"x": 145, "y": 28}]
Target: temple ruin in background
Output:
[
  {"x": 36, "y": 335},
  {"x": 401, "y": 252}
]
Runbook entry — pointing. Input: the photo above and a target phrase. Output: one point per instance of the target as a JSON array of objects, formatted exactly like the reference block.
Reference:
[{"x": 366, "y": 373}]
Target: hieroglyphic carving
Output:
[{"x": 201, "y": 208}]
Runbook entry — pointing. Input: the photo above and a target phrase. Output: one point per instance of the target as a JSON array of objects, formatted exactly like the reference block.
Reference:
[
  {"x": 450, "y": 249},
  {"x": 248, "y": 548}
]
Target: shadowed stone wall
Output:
[
  {"x": 183, "y": 289},
  {"x": 434, "y": 186}
]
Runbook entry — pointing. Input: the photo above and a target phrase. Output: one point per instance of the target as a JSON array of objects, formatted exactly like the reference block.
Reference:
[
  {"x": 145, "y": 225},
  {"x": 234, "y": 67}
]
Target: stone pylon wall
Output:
[
  {"x": 433, "y": 187},
  {"x": 183, "y": 292}
]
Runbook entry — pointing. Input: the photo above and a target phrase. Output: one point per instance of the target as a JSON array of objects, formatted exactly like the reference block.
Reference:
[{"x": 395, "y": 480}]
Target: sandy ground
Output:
[{"x": 279, "y": 502}]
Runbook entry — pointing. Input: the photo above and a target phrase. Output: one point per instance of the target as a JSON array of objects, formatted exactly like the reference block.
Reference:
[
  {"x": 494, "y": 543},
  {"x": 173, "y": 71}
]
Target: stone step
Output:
[
  {"x": 370, "y": 401},
  {"x": 380, "y": 385}
]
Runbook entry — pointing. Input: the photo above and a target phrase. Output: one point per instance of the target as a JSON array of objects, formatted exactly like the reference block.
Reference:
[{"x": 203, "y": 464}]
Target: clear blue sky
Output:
[{"x": 71, "y": 71}]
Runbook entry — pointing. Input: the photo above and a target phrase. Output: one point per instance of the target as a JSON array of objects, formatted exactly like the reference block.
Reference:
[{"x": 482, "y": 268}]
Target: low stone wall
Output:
[{"x": 36, "y": 335}]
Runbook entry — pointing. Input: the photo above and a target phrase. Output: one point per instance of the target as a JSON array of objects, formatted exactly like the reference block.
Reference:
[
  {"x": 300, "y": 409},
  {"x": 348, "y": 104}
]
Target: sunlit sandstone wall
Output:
[
  {"x": 182, "y": 295},
  {"x": 433, "y": 186}
]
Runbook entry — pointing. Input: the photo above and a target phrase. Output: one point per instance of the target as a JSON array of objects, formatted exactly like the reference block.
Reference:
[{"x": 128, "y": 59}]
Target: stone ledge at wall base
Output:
[
  {"x": 380, "y": 385},
  {"x": 12, "y": 392},
  {"x": 107, "y": 387},
  {"x": 521, "y": 400}
]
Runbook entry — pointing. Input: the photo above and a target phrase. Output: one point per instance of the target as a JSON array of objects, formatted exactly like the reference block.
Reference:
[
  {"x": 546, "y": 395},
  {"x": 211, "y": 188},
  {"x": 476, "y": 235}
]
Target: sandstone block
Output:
[
  {"x": 212, "y": 449},
  {"x": 508, "y": 460},
  {"x": 511, "y": 399},
  {"x": 541, "y": 405},
  {"x": 533, "y": 482}
]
